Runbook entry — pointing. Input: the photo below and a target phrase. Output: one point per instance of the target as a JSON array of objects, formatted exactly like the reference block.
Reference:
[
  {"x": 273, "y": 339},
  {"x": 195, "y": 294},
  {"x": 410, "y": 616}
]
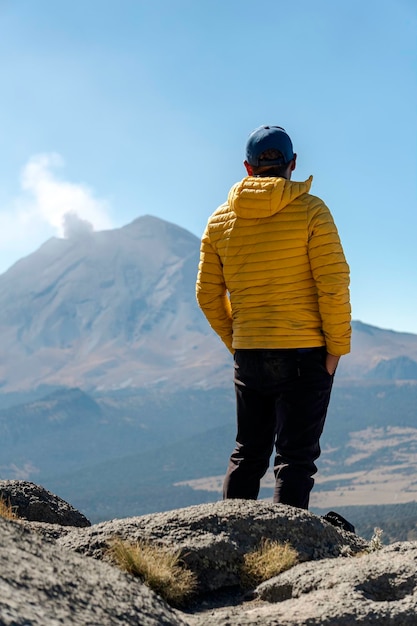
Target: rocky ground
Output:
[{"x": 57, "y": 573}]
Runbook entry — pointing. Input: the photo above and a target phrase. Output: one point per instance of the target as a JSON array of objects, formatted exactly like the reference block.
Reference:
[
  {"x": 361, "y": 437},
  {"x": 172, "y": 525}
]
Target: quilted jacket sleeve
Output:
[
  {"x": 211, "y": 292},
  {"x": 331, "y": 275}
]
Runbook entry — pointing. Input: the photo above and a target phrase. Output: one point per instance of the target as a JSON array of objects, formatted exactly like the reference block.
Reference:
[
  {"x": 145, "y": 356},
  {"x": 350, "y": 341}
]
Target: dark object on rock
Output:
[
  {"x": 340, "y": 522},
  {"x": 35, "y": 504}
]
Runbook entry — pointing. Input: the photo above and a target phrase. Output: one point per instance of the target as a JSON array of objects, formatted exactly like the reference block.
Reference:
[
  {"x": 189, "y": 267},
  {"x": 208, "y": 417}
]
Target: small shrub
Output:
[
  {"x": 268, "y": 560},
  {"x": 6, "y": 509},
  {"x": 374, "y": 544},
  {"x": 346, "y": 551},
  {"x": 376, "y": 541},
  {"x": 157, "y": 567}
]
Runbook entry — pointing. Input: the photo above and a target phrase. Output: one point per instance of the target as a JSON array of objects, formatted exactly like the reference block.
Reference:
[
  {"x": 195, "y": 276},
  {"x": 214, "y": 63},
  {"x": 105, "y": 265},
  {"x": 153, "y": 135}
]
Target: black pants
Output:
[{"x": 282, "y": 398}]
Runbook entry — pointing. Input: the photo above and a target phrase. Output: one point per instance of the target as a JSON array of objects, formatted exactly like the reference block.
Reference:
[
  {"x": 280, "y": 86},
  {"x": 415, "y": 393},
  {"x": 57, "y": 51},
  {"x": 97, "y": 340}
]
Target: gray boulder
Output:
[
  {"x": 43, "y": 585},
  {"x": 376, "y": 588},
  {"x": 213, "y": 538},
  {"x": 380, "y": 587},
  {"x": 44, "y": 582},
  {"x": 36, "y": 504}
]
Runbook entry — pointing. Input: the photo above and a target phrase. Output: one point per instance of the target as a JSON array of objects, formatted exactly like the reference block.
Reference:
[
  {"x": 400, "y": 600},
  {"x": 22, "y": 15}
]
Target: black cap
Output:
[{"x": 269, "y": 138}]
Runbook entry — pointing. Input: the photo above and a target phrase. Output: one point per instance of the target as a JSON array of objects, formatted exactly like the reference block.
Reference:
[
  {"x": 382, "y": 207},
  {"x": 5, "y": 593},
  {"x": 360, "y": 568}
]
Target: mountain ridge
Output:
[
  {"x": 116, "y": 309},
  {"x": 106, "y": 309}
]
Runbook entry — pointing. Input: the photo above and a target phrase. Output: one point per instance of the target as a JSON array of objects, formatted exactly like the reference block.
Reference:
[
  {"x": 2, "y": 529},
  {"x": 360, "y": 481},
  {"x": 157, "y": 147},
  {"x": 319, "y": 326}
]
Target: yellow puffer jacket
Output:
[{"x": 272, "y": 270}]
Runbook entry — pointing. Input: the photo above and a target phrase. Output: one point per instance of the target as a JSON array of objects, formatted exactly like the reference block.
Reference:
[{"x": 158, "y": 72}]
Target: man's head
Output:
[{"x": 269, "y": 152}]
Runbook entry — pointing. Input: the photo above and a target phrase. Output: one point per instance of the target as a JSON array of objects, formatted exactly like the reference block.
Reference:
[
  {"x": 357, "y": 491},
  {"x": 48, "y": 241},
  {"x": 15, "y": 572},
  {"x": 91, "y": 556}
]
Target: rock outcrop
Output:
[
  {"x": 376, "y": 588},
  {"x": 48, "y": 575},
  {"x": 43, "y": 585},
  {"x": 34, "y": 503},
  {"x": 383, "y": 584},
  {"x": 213, "y": 538}
]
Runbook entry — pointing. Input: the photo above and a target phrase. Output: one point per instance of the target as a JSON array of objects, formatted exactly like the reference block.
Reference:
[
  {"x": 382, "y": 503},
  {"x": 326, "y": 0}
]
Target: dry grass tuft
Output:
[
  {"x": 374, "y": 544},
  {"x": 6, "y": 510},
  {"x": 157, "y": 567},
  {"x": 268, "y": 560}
]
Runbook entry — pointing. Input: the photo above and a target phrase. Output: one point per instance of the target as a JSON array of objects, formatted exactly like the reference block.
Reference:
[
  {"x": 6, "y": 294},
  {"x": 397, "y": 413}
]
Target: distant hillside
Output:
[
  {"x": 369, "y": 455},
  {"x": 400, "y": 368},
  {"x": 69, "y": 430},
  {"x": 379, "y": 354},
  {"x": 116, "y": 309}
]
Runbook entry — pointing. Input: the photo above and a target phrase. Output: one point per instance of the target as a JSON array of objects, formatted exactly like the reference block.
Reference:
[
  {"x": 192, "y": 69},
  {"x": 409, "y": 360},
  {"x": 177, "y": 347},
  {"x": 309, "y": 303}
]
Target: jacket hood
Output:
[{"x": 263, "y": 197}]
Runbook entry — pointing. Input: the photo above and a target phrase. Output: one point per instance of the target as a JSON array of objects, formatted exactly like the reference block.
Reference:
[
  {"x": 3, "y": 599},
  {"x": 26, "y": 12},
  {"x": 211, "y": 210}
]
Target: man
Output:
[{"x": 273, "y": 282}]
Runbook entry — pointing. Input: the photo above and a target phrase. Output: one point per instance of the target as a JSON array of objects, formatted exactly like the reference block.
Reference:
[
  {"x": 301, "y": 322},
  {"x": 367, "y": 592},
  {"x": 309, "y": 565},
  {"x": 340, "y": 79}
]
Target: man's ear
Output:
[
  {"x": 249, "y": 168},
  {"x": 294, "y": 162}
]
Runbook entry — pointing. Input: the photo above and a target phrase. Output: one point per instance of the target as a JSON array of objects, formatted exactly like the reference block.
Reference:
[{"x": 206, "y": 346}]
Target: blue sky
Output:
[{"x": 116, "y": 109}]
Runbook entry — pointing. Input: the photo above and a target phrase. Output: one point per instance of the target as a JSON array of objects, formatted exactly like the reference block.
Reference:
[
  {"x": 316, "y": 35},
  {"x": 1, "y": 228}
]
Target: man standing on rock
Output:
[{"x": 273, "y": 283}]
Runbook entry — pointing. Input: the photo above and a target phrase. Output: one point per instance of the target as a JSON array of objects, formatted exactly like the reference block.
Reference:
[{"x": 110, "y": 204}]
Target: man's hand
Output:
[{"x": 331, "y": 363}]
